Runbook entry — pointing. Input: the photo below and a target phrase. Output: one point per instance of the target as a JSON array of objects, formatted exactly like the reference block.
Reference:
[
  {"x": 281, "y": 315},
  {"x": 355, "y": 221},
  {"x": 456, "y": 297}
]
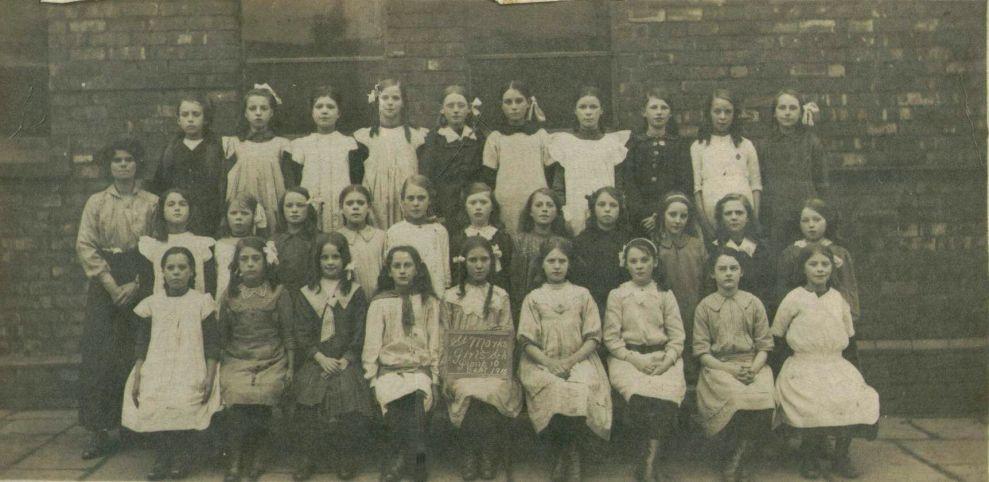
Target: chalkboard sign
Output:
[{"x": 470, "y": 353}]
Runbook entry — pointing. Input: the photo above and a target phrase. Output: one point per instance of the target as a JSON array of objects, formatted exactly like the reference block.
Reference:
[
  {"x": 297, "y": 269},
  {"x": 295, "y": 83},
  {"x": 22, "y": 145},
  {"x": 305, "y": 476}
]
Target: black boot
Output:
[
  {"x": 163, "y": 460},
  {"x": 733, "y": 470},
  {"x": 573, "y": 465},
  {"x": 258, "y": 455},
  {"x": 235, "y": 460},
  {"x": 810, "y": 467},
  {"x": 98, "y": 446},
  {"x": 394, "y": 470},
  {"x": 646, "y": 471},
  {"x": 488, "y": 461},
  {"x": 559, "y": 473},
  {"x": 843, "y": 461},
  {"x": 181, "y": 452},
  {"x": 468, "y": 467}
]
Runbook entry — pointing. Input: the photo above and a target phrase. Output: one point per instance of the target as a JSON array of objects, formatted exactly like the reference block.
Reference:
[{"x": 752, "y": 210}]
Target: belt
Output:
[{"x": 646, "y": 349}]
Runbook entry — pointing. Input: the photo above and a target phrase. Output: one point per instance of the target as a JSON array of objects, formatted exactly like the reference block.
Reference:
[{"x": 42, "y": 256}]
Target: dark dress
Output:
[
  {"x": 504, "y": 243},
  {"x": 653, "y": 168},
  {"x": 452, "y": 163},
  {"x": 295, "y": 258},
  {"x": 793, "y": 169},
  {"x": 200, "y": 172},
  {"x": 596, "y": 265}
]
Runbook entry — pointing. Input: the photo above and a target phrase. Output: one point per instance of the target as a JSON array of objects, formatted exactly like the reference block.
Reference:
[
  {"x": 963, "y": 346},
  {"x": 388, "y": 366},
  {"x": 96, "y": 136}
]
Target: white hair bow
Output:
[
  {"x": 475, "y": 107},
  {"x": 810, "y": 110},
  {"x": 265, "y": 86}
]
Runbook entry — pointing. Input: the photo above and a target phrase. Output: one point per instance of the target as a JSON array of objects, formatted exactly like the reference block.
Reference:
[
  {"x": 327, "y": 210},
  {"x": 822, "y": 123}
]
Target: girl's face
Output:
[
  {"x": 325, "y": 113},
  {"x": 177, "y": 272},
  {"x": 258, "y": 112},
  {"x": 675, "y": 218},
  {"x": 606, "y": 210},
  {"x": 727, "y": 273},
  {"x": 191, "y": 119},
  {"x": 415, "y": 202},
  {"x": 479, "y": 208},
  {"x": 722, "y": 115},
  {"x": 390, "y": 103},
  {"x": 478, "y": 265},
  {"x": 514, "y": 105},
  {"x": 640, "y": 265},
  {"x": 657, "y": 113},
  {"x": 402, "y": 269},
  {"x": 330, "y": 262},
  {"x": 734, "y": 217},
  {"x": 817, "y": 269},
  {"x": 240, "y": 219},
  {"x": 250, "y": 264},
  {"x": 812, "y": 224},
  {"x": 544, "y": 210},
  {"x": 787, "y": 111},
  {"x": 455, "y": 110},
  {"x": 176, "y": 209},
  {"x": 555, "y": 266},
  {"x": 295, "y": 206},
  {"x": 123, "y": 166},
  {"x": 355, "y": 208},
  {"x": 588, "y": 112}
]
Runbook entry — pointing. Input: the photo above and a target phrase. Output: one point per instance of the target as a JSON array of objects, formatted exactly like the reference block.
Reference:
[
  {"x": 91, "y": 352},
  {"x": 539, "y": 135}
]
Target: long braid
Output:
[{"x": 487, "y": 299}]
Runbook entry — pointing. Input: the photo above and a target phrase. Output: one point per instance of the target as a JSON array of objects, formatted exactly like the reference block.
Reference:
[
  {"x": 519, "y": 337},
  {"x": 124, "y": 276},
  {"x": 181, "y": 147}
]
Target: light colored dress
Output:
[
  {"x": 721, "y": 168},
  {"x": 644, "y": 316},
  {"x": 199, "y": 246},
  {"x": 558, "y": 319},
  {"x": 391, "y": 159},
  {"x": 400, "y": 360},
  {"x": 467, "y": 313},
  {"x": 174, "y": 367},
  {"x": 223, "y": 252},
  {"x": 432, "y": 243},
  {"x": 367, "y": 252},
  {"x": 817, "y": 387},
  {"x": 520, "y": 160},
  {"x": 257, "y": 172},
  {"x": 732, "y": 330},
  {"x": 588, "y": 166},
  {"x": 325, "y": 160}
]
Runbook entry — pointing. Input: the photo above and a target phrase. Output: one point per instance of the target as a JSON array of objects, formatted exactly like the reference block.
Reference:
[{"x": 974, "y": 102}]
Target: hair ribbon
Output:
[
  {"x": 535, "y": 111},
  {"x": 810, "y": 110},
  {"x": 265, "y": 86}
]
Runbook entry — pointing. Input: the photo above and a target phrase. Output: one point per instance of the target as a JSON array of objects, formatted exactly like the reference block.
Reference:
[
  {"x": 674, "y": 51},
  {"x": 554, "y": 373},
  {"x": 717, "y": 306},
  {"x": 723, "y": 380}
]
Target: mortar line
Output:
[
  {"x": 35, "y": 449},
  {"x": 930, "y": 434},
  {"x": 933, "y": 465}
]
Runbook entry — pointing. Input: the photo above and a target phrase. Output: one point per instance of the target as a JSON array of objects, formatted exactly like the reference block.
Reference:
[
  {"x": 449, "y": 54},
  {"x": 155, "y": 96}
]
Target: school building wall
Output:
[{"x": 901, "y": 84}]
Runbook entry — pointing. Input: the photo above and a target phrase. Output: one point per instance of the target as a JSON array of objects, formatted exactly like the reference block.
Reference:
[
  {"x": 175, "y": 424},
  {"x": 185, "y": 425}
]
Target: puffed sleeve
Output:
[
  {"x": 556, "y": 147},
  {"x": 785, "y": 313},
  {"x": 358, "y": 313},
  {"x": 590, "y": 328},
  {"x": 673, "y": 323},
  {"x": 702, "y": 332},
  {"x": 492, "y": 151},
  {"x": 230, "y": 145},
  {"x": 373, "y": 335},
  {"x": 435, "y": 337},
  {"x": 418, "y": 136},
  {"x": 530, "y": 329},
  {"x": 697, "y": 164},
  {"x": 613, "y": 327},
  {"x": 87, "y": 247},
  {"x": 544, "y": 141},
  {"x": 618, "y": 151},
  {"x": 283, "y": 309},
  {"x": 846, "y": 318},
  {"x": 751, "y": 164},
  {"x": 761, "y": 334}
]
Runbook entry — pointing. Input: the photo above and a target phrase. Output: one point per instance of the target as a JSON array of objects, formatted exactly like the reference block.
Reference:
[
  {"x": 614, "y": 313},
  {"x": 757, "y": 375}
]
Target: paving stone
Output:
[
  {"x": 968, "y": 472},
  {"x": 30, "y": 414},
  {"x": 897, "y": 428},
  {"x": 41, "y": 474},
  {"x": 13, "y": 447},
  {"x": 36, "y": 426},
  {"x": 949, "y": 452},
  {"x": 953, "y": 428},
  {"x": 62, "y": 454}
]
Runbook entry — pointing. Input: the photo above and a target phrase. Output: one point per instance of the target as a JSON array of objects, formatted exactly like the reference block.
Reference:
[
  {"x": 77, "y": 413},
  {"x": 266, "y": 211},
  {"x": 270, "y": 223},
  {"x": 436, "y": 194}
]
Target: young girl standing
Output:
[
  {"x": 644, "y": 333},
  {"x": 171, "y": 228},
  {"x": 388, "y": 150},
  {"x": 566, "y": 386},
  {"x": 402, "y": 356},
  {"x": 540, "y": 221},
  {"x": 294, "y": 239},
  {"x": 257, "y": 153},
  {"x": 241, "y": 220},
  {"x": 658, "y": 162},
  {"x": 177, "y": 339},
  {"x": 596, "y": 250},
  {"x": 421, "y": 231},
  {"x": 325, "y": 157},
  {"x": 483, "y": 214},
  {"x": 330, "y": 390},
  {"x": 588, "y": 156},
  {"x": 732, "y": 340},
  {"x": 366, "y": 242},
  {"x": 480, "y": 407},
  {"x": 256, "y": 364},
  {"x": 723, "y": 161},
  {"x": 516, "y": 152},
  {"x": 737, "y": 229},
  {"x": 451, "y": 155},
  {"x": 819, "y": 392}
]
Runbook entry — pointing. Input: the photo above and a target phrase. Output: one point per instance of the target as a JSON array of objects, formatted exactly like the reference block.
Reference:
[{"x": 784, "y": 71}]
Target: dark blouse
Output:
[
  {"x": 348, "y": 323},
  {"x": 295, "y": 258},
  {"x": 451, "y": 166},
  {"x": 202, "y": 173},
  {"x": 793, "y": 168},
  {"x": 596, "y": 266},
  {"x": 652, "y": 168}
]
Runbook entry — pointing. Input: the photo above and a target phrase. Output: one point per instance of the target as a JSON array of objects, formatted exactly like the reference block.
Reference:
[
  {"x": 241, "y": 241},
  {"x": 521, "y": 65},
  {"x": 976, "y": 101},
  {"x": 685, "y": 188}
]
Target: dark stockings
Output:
[
  {"x": 746, "y": 429},
  {"x": 172, "y": 454},
  {"x": 653, "y": 420},
  {"x": 482, "y": 435},
  {"x": 350, "y": 434},
  {"x": 565, "y": 434},
  {"x": 247, "y": 439},
  {"x": 407, "y": 422}
]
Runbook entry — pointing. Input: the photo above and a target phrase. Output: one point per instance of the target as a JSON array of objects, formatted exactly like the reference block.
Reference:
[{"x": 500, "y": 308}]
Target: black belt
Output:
[{"x": 646, "y": 349}]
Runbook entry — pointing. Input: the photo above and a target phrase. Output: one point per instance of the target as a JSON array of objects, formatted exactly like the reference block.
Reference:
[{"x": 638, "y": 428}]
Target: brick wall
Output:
[{"x": 901, "y": 84}]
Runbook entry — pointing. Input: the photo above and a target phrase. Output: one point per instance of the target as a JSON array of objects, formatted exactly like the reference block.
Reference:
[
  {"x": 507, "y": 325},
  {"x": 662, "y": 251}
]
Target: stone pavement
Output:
[{"x": 47, "y": 444}]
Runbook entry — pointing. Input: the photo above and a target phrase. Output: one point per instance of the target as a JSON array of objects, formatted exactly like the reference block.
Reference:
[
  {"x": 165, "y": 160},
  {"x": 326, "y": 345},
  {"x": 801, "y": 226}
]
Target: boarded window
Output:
[{"x": 23, "y": 70}]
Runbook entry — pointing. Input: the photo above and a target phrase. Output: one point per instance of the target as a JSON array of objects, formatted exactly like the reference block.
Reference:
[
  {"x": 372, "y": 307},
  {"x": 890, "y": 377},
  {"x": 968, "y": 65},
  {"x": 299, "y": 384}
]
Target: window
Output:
[{"x": 23, "y": 70}]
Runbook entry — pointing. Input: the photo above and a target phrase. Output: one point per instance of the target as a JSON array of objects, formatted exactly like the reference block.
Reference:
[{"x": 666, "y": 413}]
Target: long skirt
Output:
[
  {"x": 333, "y": 396},
  {"x": 824, "y": 390},
  {"x": 720, "y": 395}
]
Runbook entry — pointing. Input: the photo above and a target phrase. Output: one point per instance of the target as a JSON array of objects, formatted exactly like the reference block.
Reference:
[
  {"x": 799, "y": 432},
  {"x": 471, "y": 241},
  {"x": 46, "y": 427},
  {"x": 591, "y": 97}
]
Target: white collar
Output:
[
  {"x": 452, "y": 136},
  {"x": 486, "y": 232},
  {"x": 747, "y": 246},
  {"x": 803, "y": 243}
]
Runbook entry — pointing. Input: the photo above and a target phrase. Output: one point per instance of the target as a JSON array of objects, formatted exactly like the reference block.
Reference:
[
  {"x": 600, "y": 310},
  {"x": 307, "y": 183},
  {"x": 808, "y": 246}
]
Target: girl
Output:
[
  {"x": 480, "y": 407},
  {"x": 401, "y": 357},
  {"x": 658, "y": 162},
  {"x": 732, "y": 340},
  {"x": 737, "y": 229},
  {"x": 644, "y": 333},
  {"x": 113, "y": 221},
  {"x": 193, "y": 161},
  {"x": 388, "y": 149},
  {"x": 451, "y": 155},
  {"x": 565, "y": 383},
  {"x": 256, "y": 154},
  {"x": 516, "y": 154},
  {"x": 793, "y": 164},
  {"x": 818, "y": 391},
  {"x": 682, "y": 256},
  {"x": 171, "y": 228},
  {"x": 325, "y": 157},
  {"x": 596, "y": 264},
  {"x": 293, "y": 241},
  {"x": 540, "y": 221},
  {"x": 173, "y": 388},
  {"x": 330, "y": 390},
  {"x": 366, "y": 242},
  {"x": 243, "y": 218},
  {"x": 483, "y": 214},
  {"x": 256, "y": 365},
  {"x": 421, "y": 231},
  {"x": 723, "y": 161},
  {"x": 588, "y": 156}
]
